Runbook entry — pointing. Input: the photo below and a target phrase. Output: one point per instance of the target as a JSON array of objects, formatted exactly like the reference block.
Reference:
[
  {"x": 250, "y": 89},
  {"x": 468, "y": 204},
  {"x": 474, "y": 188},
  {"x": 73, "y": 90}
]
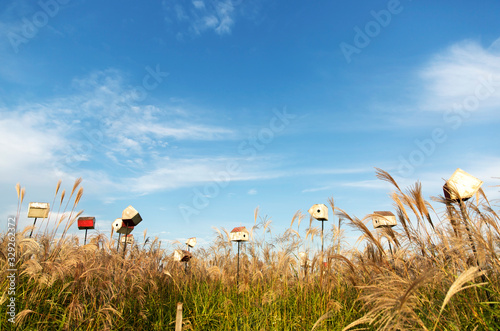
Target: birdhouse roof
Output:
[
  {"x": 384, "y": 213},
  {"x": 41, "y": 205},
  {"x": 239, "y": 229}
]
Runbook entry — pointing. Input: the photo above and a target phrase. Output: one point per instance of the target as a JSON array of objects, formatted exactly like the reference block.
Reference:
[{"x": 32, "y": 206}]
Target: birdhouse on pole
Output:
[
  {"x": 129, "y": 239},
  {"x": 191, "y": 242},
  {"x": 319, "y": 212},
  {"x": 239, "y": 234},
  {"x": 121, "y": 227},
  {"x": 86, "y": 223},
  {"x": 38, "y": 210},
  {"x": 181, "y": 255},
  {"x": 131, "y": 216},
  {"x": 383, "y": 219},
  {"x": 461, "y": 186}
]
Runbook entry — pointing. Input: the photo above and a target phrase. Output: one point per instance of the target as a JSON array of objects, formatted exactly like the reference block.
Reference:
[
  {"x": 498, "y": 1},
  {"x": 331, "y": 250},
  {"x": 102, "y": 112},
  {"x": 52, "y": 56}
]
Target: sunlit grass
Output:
[{"x": 440, "y": 275}]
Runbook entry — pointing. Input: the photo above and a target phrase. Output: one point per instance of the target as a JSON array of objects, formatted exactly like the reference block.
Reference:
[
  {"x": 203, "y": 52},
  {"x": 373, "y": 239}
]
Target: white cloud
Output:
[
  {"x": 252, "y": 192},
  {"x": 465, "y": 75},
  {"x": 218, "y": 15},
  {"x": 98, "y": 133}
]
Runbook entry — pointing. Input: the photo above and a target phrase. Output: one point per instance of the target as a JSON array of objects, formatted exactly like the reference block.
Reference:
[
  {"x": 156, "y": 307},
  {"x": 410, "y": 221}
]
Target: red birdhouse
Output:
[{"x": 86, "y": 223}]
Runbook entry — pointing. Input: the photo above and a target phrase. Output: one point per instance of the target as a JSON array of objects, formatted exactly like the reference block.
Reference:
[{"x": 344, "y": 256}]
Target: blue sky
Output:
[{"x": 196, "y": 112}]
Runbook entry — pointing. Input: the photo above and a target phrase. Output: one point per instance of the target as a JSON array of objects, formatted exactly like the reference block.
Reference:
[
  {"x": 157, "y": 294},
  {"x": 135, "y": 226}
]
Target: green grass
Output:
[{"x": 433, "y": 279}]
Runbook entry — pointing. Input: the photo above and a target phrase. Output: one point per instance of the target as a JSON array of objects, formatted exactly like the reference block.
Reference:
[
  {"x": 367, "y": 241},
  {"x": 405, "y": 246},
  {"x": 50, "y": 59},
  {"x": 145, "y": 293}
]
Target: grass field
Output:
[{"x": 441, "y": 273}]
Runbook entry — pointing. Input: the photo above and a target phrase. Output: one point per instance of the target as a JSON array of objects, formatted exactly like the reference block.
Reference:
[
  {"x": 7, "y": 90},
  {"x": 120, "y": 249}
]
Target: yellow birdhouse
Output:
[
  {"x": 461, "y": 186},
  {"x": 383, "y": 219},
  {"x": 129, "y": 238},
  {"x": 181, "y": 255},
  {"x": 130, "y": 216},
  {"x": 319, "y": 212},
  {"x": 38, "y": 210},
  {"x": 191, "y": 242}
]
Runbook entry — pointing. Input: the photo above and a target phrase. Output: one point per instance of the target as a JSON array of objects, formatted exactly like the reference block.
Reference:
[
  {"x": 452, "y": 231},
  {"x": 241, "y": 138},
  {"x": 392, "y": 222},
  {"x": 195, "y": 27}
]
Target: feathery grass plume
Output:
[
  {"x": 457, "y": 286},
  {"x": 53, "y": 201},
  {"x": 75, "y": 185},
  {"x": 78, "y": 196},
  {"x": 358, "y": 224},
  {"x": 384, "y": 175},
  {"x": 416, "y": 193}
]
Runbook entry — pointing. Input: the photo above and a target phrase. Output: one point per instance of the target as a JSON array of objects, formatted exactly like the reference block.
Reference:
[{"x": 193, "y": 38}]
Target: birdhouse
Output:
[
  {"x": 461, "y": 186},
  {"x": 120, "y": 227},
  {"x": 181, "y": 255},
  {"x": 130, "y": 216},
  {"x": 38, "y": 210},
  {"x": 383, "y": 219},
  {"x": 86, "y": 223},
  {"x": 129, "y": 238},
  {"x": 304, "y": 261},
  {"x": 191, "y": 242},
  {"x": 239, "y": 234},
  {"x": 319, "y": 212}
]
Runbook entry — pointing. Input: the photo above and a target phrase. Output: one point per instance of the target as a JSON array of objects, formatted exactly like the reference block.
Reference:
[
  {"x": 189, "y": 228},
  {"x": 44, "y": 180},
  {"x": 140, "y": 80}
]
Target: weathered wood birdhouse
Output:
[
  {"x": 239, "y": 234},
  {"x": 461, "y": 186},
  {"x": 121, "y": 227},
  {"x": 86, "y": 223},
  {"x": 383, "y": 219},
  {"x": 181, "y": 255},
  {"x": 319, "y": 212},
  {"x": 129, "y": 238},
  {"x": 191, "y": 242},
  {"x": 130, "y": 216},
  {"x": 38, "y": 210}
]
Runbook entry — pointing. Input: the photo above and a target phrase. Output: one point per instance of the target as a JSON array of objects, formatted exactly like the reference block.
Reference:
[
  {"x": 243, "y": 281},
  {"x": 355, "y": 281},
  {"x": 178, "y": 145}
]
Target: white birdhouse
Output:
[
  {"x": 38, "y": 210},
  {"x": 120, "y": 227},
  {"x": 461, "y": 186},
  {"x": 383, "y": 219},
  {"x": 129, "y": 238},
  {"x": 319, "y": 212},
  {"x": 130, "y": 216},
  {"x": 191, "y": 242},
  {"x": 181, "y": 255},
  {"x": 239, "y": 234}
]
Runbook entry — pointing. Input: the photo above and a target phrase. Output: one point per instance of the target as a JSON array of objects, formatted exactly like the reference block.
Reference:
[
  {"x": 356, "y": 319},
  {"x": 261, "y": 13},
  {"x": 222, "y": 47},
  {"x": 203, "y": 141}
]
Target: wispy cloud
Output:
[
  {"x": 96, "y": 131},
  {"x": 464, "y": 74},
  {"x": 199, "y": 16}
]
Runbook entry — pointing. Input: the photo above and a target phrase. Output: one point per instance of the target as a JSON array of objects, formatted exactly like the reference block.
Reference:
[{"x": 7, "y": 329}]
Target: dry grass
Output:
[{"x": 442, "y": 274}]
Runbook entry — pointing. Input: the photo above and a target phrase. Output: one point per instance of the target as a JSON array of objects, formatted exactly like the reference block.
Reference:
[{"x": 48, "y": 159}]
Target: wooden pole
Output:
[
  {"x": 125, "y": 246},
  {"x": 85, "y": 242},
  {"x": 34, "y": 222},
  {"x": 178, "y": 317},
  {"x": 467, "y": 221},
  {"x": 238, "y": 269}
]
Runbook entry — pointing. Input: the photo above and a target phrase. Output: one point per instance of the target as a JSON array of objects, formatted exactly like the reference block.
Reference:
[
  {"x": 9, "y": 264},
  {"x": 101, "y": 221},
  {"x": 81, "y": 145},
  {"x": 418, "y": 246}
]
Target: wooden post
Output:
[
  {"x": 178, "y": 318},
  {"x": 34, "y": 222},
  {"x": 466, "y": 222},
  {"x": 126, "y": 239},
  {"x": 85, "y": 242},
  {"x": 238, "y": 270}
]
